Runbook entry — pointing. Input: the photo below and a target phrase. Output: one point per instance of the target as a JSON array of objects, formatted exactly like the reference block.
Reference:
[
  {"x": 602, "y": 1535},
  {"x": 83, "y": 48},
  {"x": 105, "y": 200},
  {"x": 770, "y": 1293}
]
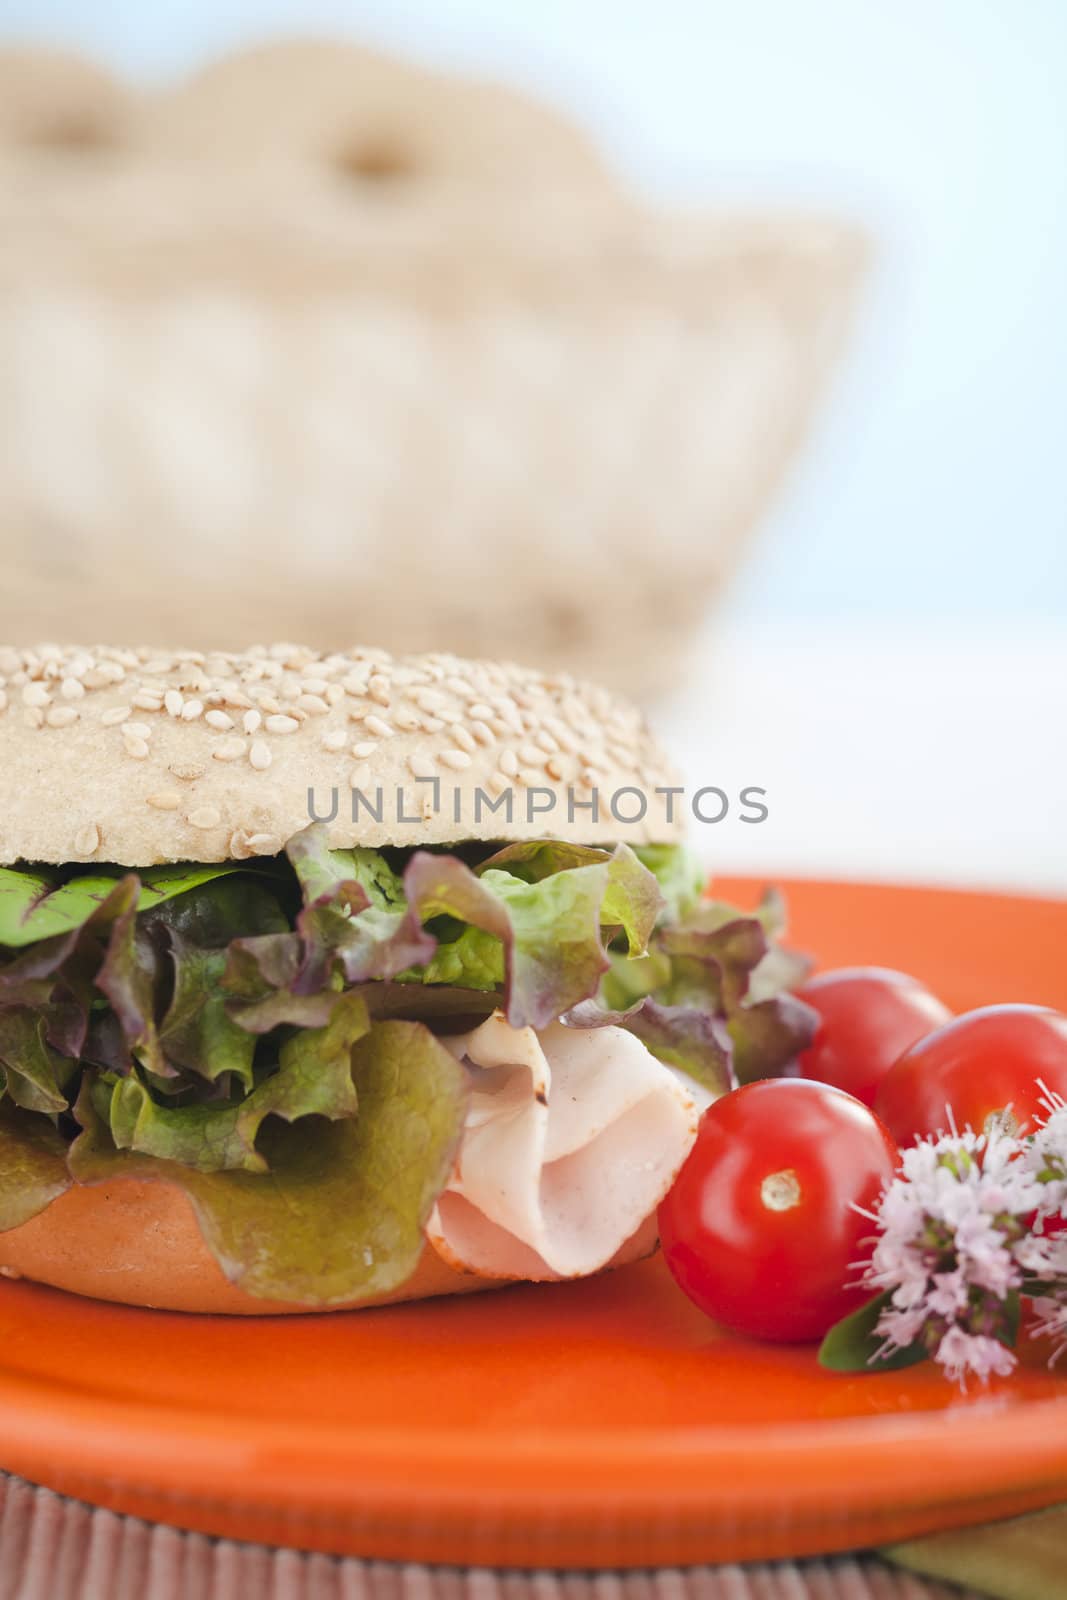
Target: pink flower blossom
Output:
[
  {"x": 973, "y": 1223},
  {"x": 962, "y": 1354},
  {"x": 954, "y": 1249}
]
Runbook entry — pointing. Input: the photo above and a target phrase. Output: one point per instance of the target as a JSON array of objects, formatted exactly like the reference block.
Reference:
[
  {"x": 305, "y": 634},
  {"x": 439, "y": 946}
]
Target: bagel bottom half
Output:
[{"x": 139, "y": 1244}]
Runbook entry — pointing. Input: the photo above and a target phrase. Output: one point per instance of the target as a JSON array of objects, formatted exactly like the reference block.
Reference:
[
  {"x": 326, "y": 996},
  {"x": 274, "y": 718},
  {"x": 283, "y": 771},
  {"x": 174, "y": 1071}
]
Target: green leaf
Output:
[
  {"x": 35, "y": 905},
  {"x": 680, "y": 875},
  {"x": 356, "y": 918},
  {"x": 313, "y": 1078},
  {"x": 33, "y": 1167},
  {"x": 341, "y": 1214},
  {"x": 197, "y": 1032},
  {"x": 694, "y": 1041},
  {"x": 35, "y": 1076},
  {"x": 852, "y": 1345}
]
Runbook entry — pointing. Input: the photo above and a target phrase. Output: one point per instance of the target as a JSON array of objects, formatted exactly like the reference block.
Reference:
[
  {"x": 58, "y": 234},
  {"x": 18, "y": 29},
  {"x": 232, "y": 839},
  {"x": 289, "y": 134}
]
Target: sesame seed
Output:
[
  {"x": 164, "y": 799},
  {"x": 508, "y": 763},
  {"x": 191, "y": 710},
  {"x": 187, "y": 772},
  {"x": 218, "y": 719},
  {"x": 364, "y": 748},
  {"x": 60, "y": 716},
  {"x": 71, "y": 689},
  {"x": 136, "y": 730},
  {"x": 336, "y": 739},
  {"x": 204, "y": 817},
  {"x": 35, "y": 695},
  {"x": 87, "y": 840},
  {"x": 432, "y": 724},
  {"x": 229, "y": 750},
  {"x": 114, "y": 716},
  {"x": 334, "y": 694},
  {"x": 430, "y": 699},
  {"x": 173, "y": 701},
  {"x": 496, "y": 783},
  {"x": 458, "y": 760},
  {"x": 420, "y": 767},
  {"x": 315, "y": 686},
  {"x": 531, "y": 756},
  {"x": 137, "y": 748},
  {"x": 483, "y": 734},
  {"x": 148, "y": 702},
  {"x": 264, "y": 844},
  {"x": 464, "y": 739},
  {"x": 268, "y": 704},
  {"x": 313, "y": 704},
  {"x": 407, "y": 721},
  {"x": 376, "y": 726},
  {"x": 251, "y": 721},
  {"x": 259, "y": 755},
  {"x": 481, "y": 711},
  {"x": 282, "y": 724}
]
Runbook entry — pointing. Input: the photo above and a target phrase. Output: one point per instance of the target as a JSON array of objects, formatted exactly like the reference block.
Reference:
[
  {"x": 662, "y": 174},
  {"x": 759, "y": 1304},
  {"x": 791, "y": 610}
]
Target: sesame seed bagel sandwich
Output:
[{"x": 327, "y": 981}]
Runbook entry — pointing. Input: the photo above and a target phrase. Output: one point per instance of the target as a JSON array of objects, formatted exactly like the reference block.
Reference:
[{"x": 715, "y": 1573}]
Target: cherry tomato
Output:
[
  {"x": 978, "y": 1066},
  {"x": 868, "y": 1017},
  {"x": 760, "y": 1228}
]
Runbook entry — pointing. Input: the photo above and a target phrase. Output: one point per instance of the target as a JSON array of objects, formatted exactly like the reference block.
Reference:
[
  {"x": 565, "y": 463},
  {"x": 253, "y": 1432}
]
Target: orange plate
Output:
[{"x": 600, "y": 1423}]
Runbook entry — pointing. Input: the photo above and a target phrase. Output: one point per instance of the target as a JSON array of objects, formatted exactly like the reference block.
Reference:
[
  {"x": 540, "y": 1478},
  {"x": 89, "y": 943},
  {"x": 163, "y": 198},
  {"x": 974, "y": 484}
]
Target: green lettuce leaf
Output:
[
  {"x": 36, "y": 904},
  {"x": 680, "y": 874},
  {"x": 549, "y": 928},
  {"x": 694, "y": 1041},
  {"x": 341, "y": 1213},
  {"x": 355, "y": 922},
  {"x": 197, "y": 1031},
  {"x": 313, "y": 1078},
  {"x": 33, "y": 1074},
  {"x": 33, "y": 1165}
]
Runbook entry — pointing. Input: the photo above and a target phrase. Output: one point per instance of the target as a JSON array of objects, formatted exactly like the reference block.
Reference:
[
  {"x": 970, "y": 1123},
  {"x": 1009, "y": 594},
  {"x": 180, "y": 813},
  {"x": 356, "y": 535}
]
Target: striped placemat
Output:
[{"x": 52, "y": 1548}]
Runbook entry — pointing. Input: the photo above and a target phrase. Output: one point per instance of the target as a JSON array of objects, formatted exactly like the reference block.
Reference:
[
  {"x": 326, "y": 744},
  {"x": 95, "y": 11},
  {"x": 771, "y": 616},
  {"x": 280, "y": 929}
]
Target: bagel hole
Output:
[
  {"x": 375, "y": 161},
  {"x": 71, "y": 133}
]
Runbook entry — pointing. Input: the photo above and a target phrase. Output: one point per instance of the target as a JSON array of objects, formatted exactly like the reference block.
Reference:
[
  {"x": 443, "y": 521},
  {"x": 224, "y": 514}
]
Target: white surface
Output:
[{"x": 936, "y": 760}]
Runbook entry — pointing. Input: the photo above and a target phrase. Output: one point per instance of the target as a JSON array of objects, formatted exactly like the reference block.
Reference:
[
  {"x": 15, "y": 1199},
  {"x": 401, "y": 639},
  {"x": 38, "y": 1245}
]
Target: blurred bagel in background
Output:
[
  {"x": 323, "y": 345},
  {"x": 368, "y": 117},
  {"x": 58, "y": 101}
]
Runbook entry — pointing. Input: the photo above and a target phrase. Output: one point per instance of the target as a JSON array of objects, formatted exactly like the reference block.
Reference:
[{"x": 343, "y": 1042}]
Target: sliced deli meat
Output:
[{"x": 572, "y": 1139}]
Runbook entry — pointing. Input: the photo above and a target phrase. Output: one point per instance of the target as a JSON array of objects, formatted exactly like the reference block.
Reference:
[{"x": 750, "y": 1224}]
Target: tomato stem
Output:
[{"x": 780, "y": 1191}]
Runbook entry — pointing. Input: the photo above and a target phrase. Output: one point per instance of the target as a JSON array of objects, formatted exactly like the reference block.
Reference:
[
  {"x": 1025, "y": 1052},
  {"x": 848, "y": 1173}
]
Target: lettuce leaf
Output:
[
  {"x": 680, "y": 874},
  {"x": 33, "y": 1165},
  {"x": 35, "y": 1076},
  {"x": 341, "y": 1213},
  {"x": 37, "y": 905},
  {"x": 313, "y": 1078},
  {"x": 695, "y": 1041},
  {"x": 548, "y": 925}
]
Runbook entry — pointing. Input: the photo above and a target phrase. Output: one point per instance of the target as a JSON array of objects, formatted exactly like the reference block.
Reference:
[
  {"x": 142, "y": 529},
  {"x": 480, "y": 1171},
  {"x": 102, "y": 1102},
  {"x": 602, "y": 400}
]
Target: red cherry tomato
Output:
[
  {"x": 868, "y": 1017},
  {"x": 977, "y": 1066},
  {"x": 760, "y": 1228}
]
